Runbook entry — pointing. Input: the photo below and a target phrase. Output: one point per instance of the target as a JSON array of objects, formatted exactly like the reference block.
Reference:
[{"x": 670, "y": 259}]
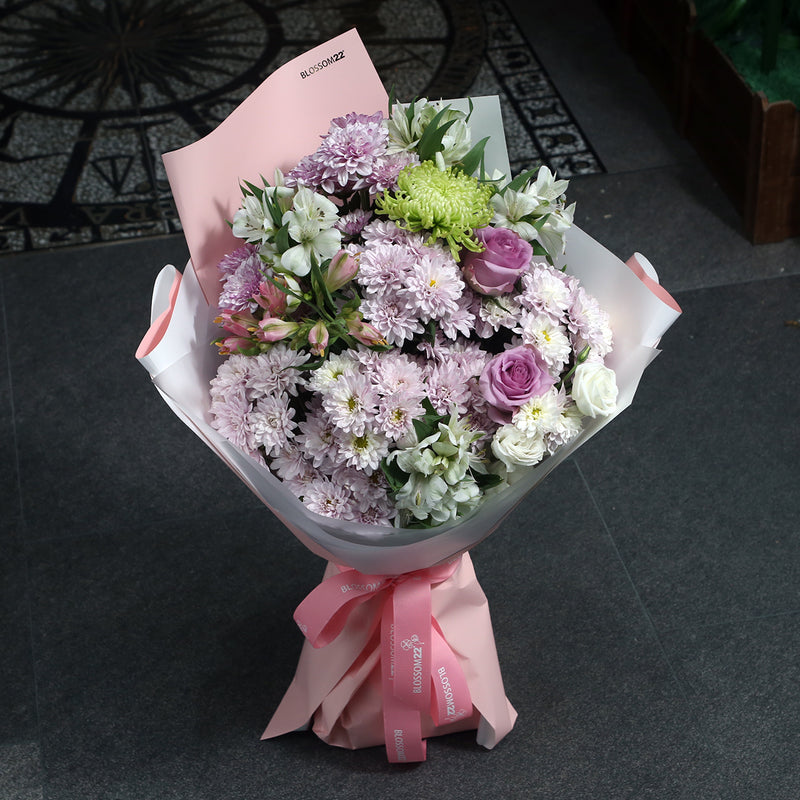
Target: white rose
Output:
[
  {"x": 515, "y": 448},
  {"x": 594, "y": 389}
]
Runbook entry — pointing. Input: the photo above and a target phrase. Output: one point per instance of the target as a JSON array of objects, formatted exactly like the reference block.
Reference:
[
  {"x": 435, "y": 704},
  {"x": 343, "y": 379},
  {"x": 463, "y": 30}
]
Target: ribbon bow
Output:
[{"x": 419, "y": 671}]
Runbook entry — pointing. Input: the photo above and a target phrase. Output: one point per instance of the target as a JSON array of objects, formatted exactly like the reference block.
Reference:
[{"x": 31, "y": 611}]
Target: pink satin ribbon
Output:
[{"x": 420, "y": 673}]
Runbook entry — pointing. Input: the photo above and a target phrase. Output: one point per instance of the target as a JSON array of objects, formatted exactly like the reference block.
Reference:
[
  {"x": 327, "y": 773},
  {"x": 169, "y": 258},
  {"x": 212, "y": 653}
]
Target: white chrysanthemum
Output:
[
  {"x": 336, "y": 366},
  {"x": 570, "y": 427},
  {"x": 548, "y": 338},
  {"x": 350, "y": 403},
  {"x": 544, "y": 290},
  {"x": 539, "y": 415},
  {"x": 271, "y": 423},
  {"x": 498, "y": 313},
  {"x": 363, "y": 451}
]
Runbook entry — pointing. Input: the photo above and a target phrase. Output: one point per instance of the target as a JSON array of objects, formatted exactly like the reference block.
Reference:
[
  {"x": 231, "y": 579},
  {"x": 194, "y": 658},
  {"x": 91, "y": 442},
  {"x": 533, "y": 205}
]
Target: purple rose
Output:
[
  {"x": 495, "y": 269},
  {"x": 510, "y": 379}
]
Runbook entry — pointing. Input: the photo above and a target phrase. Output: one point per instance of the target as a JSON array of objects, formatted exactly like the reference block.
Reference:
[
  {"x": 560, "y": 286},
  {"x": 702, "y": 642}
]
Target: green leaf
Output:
[
  {"x": 282, "y": 240},
  {"x": 392, "y": 99},
  {"x": 254, "y": 190},
  {"x": 428, "y": 424},
  {"x": 486, "y": 480},
  {"x": 474, "y": 158},
  {"x": 310, "y": 365},
  {"x": 395, "y": 476},
  {"x": 521, "y": 180},
  {"x": 430, "y": 142}
]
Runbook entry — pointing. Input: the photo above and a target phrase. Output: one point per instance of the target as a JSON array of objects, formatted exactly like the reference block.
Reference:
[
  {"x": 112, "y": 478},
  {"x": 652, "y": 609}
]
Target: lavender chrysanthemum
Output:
[
  {"x": 243, "y": 274},
  {"x": 347, "y": 158}
]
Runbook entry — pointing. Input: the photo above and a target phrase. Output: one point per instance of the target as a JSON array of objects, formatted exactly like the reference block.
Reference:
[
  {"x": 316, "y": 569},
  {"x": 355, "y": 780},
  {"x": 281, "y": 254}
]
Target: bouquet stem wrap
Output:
[{"x": 393, "y": 659}]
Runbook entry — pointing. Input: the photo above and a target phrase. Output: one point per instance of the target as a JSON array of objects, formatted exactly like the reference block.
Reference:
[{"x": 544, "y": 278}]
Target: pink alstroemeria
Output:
[
  {"x": 364, "y": 332},
  {"x": 318, "y": 338},
  {"x": 271, "y": 299},
  {"x": 342, "y": 269},
  {"x": 272, "y": 329},
  {"x": 233, "y": 345},
  {"x": 239, "y": 323}
]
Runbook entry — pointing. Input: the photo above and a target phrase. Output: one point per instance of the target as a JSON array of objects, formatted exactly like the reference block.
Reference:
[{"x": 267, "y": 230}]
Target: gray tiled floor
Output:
[{"x": 645, "y": 599}]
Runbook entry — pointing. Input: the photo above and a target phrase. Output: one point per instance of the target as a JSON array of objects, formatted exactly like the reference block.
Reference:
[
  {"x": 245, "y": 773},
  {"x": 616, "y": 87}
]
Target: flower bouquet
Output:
[{"x": 406, "y": 341}]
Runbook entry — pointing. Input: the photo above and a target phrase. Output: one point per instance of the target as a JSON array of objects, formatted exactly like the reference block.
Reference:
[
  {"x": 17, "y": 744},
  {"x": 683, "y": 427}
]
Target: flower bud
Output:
[
  {"x": 318, "y": 338},
  {"x": 364, "y": 332},
  {"x": 272, "y": 329},
  {"x": 342, "y": 269}
]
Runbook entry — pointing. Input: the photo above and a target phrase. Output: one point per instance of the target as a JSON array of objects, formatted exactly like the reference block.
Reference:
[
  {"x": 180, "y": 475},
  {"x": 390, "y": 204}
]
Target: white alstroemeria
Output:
[
  {"x": 253, "y": 222},
  {"x": 457, "y": 501},
  {"x": 511, "y": 210},
  {"x": 404, "y": 134},
  {"x": 551, "y": 234},
  {"x": 310, "y": 223},
  {"x": 421, "y": 494},
  {"x": 546, "y": 190}
]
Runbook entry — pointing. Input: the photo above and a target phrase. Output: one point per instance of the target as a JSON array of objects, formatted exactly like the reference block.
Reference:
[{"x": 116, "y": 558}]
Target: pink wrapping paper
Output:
[{"x": 338, "y": 686}]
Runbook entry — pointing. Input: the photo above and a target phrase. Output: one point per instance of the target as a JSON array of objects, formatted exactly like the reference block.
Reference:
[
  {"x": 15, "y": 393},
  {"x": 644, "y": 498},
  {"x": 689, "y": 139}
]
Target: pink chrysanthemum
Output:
[
  {"x": 447, "y": 387},
  {"x": 274, "y": 372},
  {"x": 384, "y": 266},
  {"x": 434, "y": 285},
  {"x": 271, "y": 423},
  {"x": 229, "y": 417},
  {"x": 316, "y": 438},
  {"x": 396, "y": 414},
  {"x": 544, "y": 291},
  {"x": 352, "y": 223},
  {"x": 392, "y": 317},
  {"x": 324, "y": 496}
]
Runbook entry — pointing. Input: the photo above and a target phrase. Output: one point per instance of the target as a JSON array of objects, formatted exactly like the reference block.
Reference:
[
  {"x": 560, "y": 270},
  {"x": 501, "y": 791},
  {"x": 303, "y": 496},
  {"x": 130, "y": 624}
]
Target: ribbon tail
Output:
[{"x": 402, "y": 725}]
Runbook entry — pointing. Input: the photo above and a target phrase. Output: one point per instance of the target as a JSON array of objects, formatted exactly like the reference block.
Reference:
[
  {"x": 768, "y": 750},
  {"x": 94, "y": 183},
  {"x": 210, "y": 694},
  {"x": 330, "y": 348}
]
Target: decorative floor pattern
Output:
[{"x": 93, "y": 91}]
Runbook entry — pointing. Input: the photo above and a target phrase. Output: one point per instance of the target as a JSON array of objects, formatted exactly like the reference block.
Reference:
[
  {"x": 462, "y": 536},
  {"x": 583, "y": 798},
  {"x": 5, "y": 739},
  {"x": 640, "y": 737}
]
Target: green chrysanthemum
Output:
[{"x": 449, "y": 204}]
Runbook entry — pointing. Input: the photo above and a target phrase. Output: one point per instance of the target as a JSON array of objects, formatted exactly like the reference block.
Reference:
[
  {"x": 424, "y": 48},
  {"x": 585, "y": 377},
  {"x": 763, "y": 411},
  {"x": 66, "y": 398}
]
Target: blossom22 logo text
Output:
[{"x": 326, "y": 62}]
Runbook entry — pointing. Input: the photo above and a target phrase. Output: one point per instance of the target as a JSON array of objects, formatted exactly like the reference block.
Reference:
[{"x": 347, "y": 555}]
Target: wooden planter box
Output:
[{"x": 751, "y": 146}]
